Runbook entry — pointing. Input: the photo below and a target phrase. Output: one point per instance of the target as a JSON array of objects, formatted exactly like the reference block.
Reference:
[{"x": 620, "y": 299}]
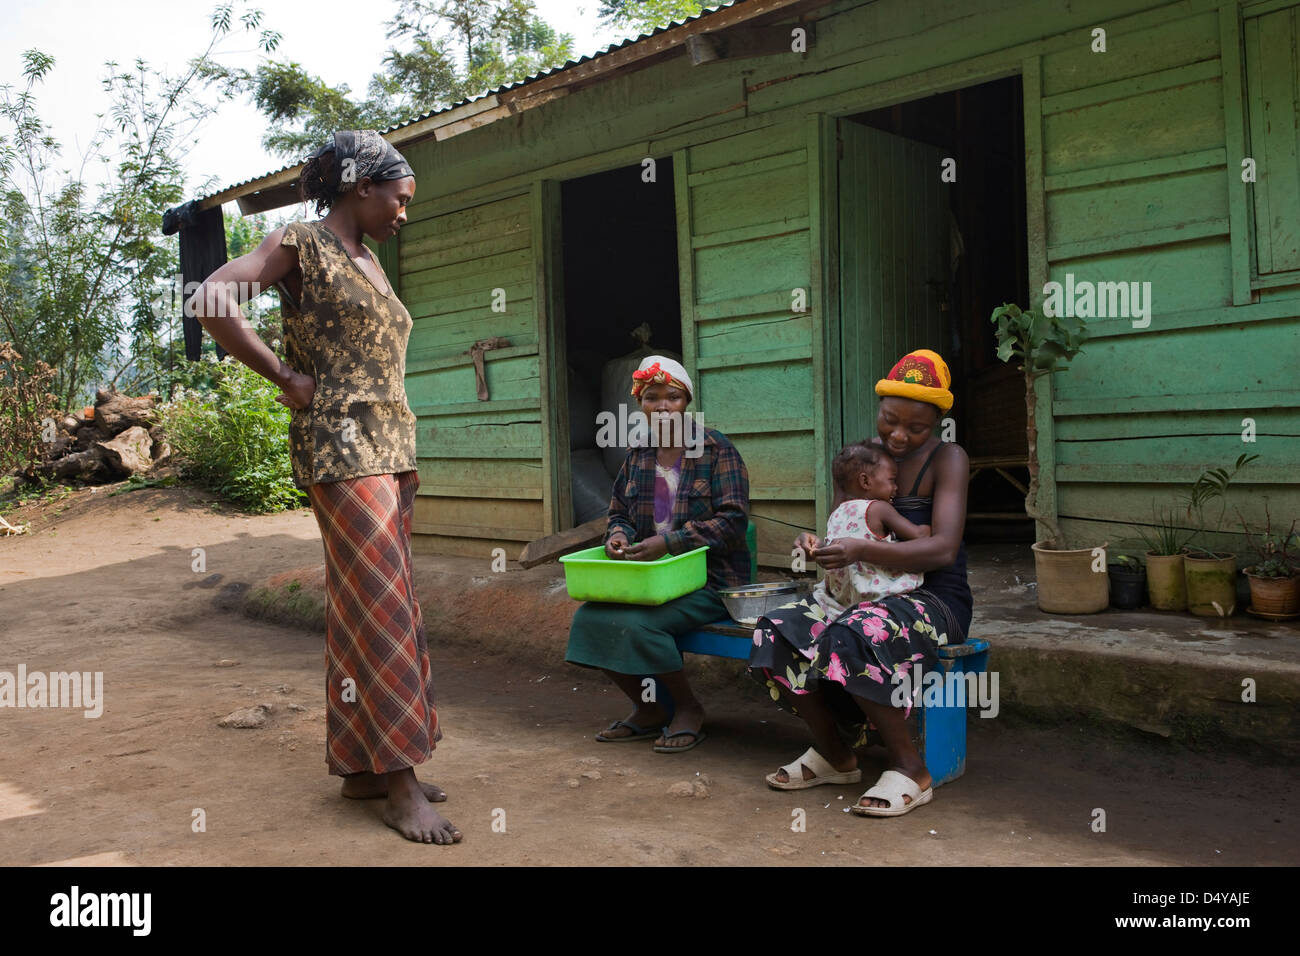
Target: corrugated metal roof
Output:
[
  {"x": 612, "y": 48},
  {"x": 572, "y": 63}
]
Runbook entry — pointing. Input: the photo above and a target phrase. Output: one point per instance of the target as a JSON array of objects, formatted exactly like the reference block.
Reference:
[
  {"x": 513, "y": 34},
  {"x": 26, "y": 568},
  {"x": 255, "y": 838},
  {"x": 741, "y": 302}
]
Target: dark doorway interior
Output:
[
  {"x": 982, "y": 128},
  {"x": 620, "y": 303}
]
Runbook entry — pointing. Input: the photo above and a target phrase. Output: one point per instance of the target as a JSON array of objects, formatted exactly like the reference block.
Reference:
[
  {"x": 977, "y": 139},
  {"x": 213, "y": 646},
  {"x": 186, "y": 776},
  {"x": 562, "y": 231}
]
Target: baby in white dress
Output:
[{"x": 866, "y": 478}]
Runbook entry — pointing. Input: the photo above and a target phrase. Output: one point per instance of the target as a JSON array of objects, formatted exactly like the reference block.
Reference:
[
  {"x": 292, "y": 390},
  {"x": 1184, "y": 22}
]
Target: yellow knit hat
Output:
[{"x": 920, "y": 375}]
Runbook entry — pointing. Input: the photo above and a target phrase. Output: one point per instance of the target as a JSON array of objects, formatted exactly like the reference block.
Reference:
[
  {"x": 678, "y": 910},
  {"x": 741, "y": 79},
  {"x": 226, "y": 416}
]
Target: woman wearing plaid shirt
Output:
[{"x": 670, "y": 497}]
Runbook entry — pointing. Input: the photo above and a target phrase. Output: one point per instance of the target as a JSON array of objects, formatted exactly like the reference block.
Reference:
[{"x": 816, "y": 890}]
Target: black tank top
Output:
[{"x": 949, "y": 584}]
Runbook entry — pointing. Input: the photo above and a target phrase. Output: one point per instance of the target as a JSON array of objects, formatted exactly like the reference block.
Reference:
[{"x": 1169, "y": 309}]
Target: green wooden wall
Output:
[
  {"x": 1141, "y": 164},
  {"x": 751, "y": 319},
  {"x": 481, "y": 468},
  {"x": 1132, "y": 170}
]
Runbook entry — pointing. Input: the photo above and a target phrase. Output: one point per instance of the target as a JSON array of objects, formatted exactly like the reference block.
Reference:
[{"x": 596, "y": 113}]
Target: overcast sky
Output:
[{"x": 325, "y": 36}]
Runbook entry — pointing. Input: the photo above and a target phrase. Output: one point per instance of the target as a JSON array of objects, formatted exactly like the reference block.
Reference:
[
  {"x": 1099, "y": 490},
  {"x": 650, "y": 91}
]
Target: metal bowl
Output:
[{"x": 746, "y": 604}]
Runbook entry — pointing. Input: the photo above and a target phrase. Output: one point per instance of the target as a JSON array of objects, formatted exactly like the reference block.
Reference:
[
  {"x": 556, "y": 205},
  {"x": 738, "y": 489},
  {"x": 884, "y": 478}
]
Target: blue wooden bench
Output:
[{"x": 940, "y": 731}]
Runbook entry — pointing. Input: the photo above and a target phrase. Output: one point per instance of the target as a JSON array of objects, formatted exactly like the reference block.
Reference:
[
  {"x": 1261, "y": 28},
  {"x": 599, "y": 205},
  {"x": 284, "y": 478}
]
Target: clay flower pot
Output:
[
  {"x": 1166, "y": 583},
  {"x": 1211, "y": 584},
  {"x": 1274, "y": 596}
]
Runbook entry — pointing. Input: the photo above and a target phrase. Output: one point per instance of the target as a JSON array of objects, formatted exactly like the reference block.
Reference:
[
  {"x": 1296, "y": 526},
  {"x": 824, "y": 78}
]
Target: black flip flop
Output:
[
  {"x": 699, "y": 736},
  {"x": 638, "y": 733}
]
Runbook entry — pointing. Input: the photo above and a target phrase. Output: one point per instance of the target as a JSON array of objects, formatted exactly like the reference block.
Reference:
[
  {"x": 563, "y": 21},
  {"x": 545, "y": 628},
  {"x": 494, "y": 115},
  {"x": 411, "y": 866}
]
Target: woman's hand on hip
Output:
[
  {"x": 648, "y": 550},
  {"x": 616, "y": 546},
  {"x": 298, "y": 391}
]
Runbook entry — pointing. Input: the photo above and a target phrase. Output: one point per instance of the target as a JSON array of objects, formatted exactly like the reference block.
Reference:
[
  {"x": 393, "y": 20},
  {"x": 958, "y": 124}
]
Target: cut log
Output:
[
  {"x": 575, "y": 539},
  {"x": 88, "y": 435},
  {"x": 116, "y": 412},
  {"x": 57, "y": 448},
  {"x": 129, "y": 453},
  {"x": 82, "y": 465}
]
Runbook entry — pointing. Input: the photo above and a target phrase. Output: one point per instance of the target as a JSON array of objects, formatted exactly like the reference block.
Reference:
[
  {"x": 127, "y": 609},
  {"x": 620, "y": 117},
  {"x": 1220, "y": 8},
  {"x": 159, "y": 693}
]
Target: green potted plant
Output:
[
  {"x": 1070, "y": 581},
  {"x": 1127, "y": 581},
  {"x": 1211, "y": 576},
  {"x": 1275, "y": 576},
  {"x": 1166, "y": 541}
]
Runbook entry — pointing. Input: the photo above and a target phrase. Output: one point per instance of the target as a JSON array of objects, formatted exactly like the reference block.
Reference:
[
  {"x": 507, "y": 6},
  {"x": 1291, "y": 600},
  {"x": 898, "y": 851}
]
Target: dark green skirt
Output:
[{"x": 638, "y": 638}]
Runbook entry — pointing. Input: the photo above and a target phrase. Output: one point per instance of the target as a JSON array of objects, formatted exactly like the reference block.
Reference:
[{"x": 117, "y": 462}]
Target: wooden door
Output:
[{"x": 894, "y": 246}]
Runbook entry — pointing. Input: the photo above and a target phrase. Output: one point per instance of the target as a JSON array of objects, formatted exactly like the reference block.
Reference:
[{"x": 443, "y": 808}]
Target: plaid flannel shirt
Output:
[{"x": 711, "y": 508}]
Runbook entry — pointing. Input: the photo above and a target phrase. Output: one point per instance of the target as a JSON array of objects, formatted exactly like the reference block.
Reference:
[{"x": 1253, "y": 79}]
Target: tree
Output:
[
  {"x": 645, "y": 16},
  {"x": 81, "y": 265},
  {"x": 452, "y": 50}
]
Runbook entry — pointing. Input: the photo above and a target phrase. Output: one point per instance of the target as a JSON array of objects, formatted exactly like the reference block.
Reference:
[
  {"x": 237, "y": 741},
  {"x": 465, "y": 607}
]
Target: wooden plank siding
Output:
[
  {"x": 746, "y": 244},
  {"x": 1274, "y": 98},
  {"x": 482, "y": 468},
  {"x": 1140, "y": 168},
  {"x": 1133, "y": 160}
]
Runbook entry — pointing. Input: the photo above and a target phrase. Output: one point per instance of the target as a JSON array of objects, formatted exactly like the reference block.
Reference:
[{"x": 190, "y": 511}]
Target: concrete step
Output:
[{"x": 1187, "y": 679}]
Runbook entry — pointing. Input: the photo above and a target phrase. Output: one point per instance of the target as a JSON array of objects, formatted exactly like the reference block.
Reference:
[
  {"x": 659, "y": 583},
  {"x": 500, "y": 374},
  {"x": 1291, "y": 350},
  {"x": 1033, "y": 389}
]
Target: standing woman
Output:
[
  {"x": 352, "y": 444},
  {"x": 836, "y": 673}
]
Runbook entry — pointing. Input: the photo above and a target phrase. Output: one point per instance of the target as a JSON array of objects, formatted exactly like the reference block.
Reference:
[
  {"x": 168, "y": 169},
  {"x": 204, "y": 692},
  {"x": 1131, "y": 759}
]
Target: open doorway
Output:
[
  {"x": 924, "y": 261},
  {"x": 621, "y": 303}
]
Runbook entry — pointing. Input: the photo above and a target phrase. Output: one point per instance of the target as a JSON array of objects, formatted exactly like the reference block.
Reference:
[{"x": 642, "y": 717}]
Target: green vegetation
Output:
[
  {"x": 1043, "y": 344},
  {"x": 648, "y": 15},
  {"x": 450, "y": 50},
  {"x": 234, "y": 439},
  {"x": 83, "y": 265},
  {"x": 136, "y": 483},
  {"x": 1212, "y": 485},
  {"x": 1274, "y": 557},
  {"x": 1165, "y": 536}
]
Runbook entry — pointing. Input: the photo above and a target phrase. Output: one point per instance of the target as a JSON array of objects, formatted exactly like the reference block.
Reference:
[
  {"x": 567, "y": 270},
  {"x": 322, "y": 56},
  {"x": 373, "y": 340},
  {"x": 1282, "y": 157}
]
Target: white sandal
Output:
[
  {"x": 892, "y": 787},
  {"x": 823, "y": 772}
]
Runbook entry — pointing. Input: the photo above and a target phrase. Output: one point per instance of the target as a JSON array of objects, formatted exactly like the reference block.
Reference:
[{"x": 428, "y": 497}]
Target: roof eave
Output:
[{"x": 279, "y": 188}]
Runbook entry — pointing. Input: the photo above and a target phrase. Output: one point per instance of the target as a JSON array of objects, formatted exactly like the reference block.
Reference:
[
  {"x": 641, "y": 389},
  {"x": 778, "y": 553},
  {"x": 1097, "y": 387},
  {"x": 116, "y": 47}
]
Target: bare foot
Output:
[
  {"x": 409, "y": 813},
  {"x": 685, "y": 718},
  {"x": 843, "y": 765},
  {"x": 918, "y": 775},
  {"x": 647, "y": 716},
  {"x": 371, "y": 786}
]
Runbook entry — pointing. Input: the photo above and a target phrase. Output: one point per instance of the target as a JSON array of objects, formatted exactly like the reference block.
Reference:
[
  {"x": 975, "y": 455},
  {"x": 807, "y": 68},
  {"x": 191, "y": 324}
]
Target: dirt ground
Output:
[{"x": 106, "y": 584}]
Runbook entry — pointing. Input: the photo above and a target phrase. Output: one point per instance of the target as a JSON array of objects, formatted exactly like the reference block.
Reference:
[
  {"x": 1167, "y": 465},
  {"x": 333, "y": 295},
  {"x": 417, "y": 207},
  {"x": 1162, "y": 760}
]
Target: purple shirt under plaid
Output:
[{"x": 711, "y": 507}]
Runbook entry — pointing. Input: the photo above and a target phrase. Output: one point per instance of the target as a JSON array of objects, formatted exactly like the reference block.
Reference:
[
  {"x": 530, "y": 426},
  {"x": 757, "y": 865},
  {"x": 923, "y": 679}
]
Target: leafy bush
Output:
[
  {"x": 234, "y": 439},
  {"x": 25, "y": 403}
]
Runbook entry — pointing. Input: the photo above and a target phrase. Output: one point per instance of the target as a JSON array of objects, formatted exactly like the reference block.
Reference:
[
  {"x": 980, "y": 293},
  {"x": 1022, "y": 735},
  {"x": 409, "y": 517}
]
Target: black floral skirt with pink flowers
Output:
[{"x": 857, "y": 654}]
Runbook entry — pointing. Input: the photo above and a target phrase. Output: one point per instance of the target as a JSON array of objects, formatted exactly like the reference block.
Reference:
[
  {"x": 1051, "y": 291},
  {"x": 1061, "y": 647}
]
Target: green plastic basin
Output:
[{"x": 591, "y": 575}]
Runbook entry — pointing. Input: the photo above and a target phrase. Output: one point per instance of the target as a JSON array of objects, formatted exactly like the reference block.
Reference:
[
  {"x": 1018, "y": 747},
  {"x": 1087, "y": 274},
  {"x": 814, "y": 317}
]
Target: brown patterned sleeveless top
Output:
[{"x": 349, "y": 335}]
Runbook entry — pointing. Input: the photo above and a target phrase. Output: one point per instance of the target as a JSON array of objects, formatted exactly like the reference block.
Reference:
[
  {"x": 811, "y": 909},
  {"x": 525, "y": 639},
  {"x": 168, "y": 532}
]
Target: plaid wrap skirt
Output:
[{"x": 380, "y": 712}]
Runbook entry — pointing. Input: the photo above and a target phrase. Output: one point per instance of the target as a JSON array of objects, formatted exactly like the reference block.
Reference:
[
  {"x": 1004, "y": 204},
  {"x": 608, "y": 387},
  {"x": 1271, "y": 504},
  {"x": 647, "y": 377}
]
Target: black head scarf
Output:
[{"x": 363, "y": 152}]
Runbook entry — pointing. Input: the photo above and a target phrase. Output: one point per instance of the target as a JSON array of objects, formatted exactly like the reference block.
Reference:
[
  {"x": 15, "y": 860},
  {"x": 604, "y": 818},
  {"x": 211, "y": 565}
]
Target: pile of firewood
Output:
[{"x": 120, "y": 437}]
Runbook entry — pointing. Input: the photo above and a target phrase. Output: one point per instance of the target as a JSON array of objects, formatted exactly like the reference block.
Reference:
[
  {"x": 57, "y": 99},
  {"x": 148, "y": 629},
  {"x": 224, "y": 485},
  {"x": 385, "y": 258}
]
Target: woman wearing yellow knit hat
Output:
[{"x": 834, "y": 672}]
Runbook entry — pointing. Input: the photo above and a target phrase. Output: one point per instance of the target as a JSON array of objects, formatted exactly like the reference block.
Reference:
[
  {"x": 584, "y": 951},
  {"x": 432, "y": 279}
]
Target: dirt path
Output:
[{"x": 107, "y": 585}]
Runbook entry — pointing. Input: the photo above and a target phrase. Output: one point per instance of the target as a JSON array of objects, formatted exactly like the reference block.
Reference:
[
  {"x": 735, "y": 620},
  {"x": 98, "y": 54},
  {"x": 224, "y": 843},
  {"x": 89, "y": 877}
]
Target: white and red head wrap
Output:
[{"x": 661, "y": 370}]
